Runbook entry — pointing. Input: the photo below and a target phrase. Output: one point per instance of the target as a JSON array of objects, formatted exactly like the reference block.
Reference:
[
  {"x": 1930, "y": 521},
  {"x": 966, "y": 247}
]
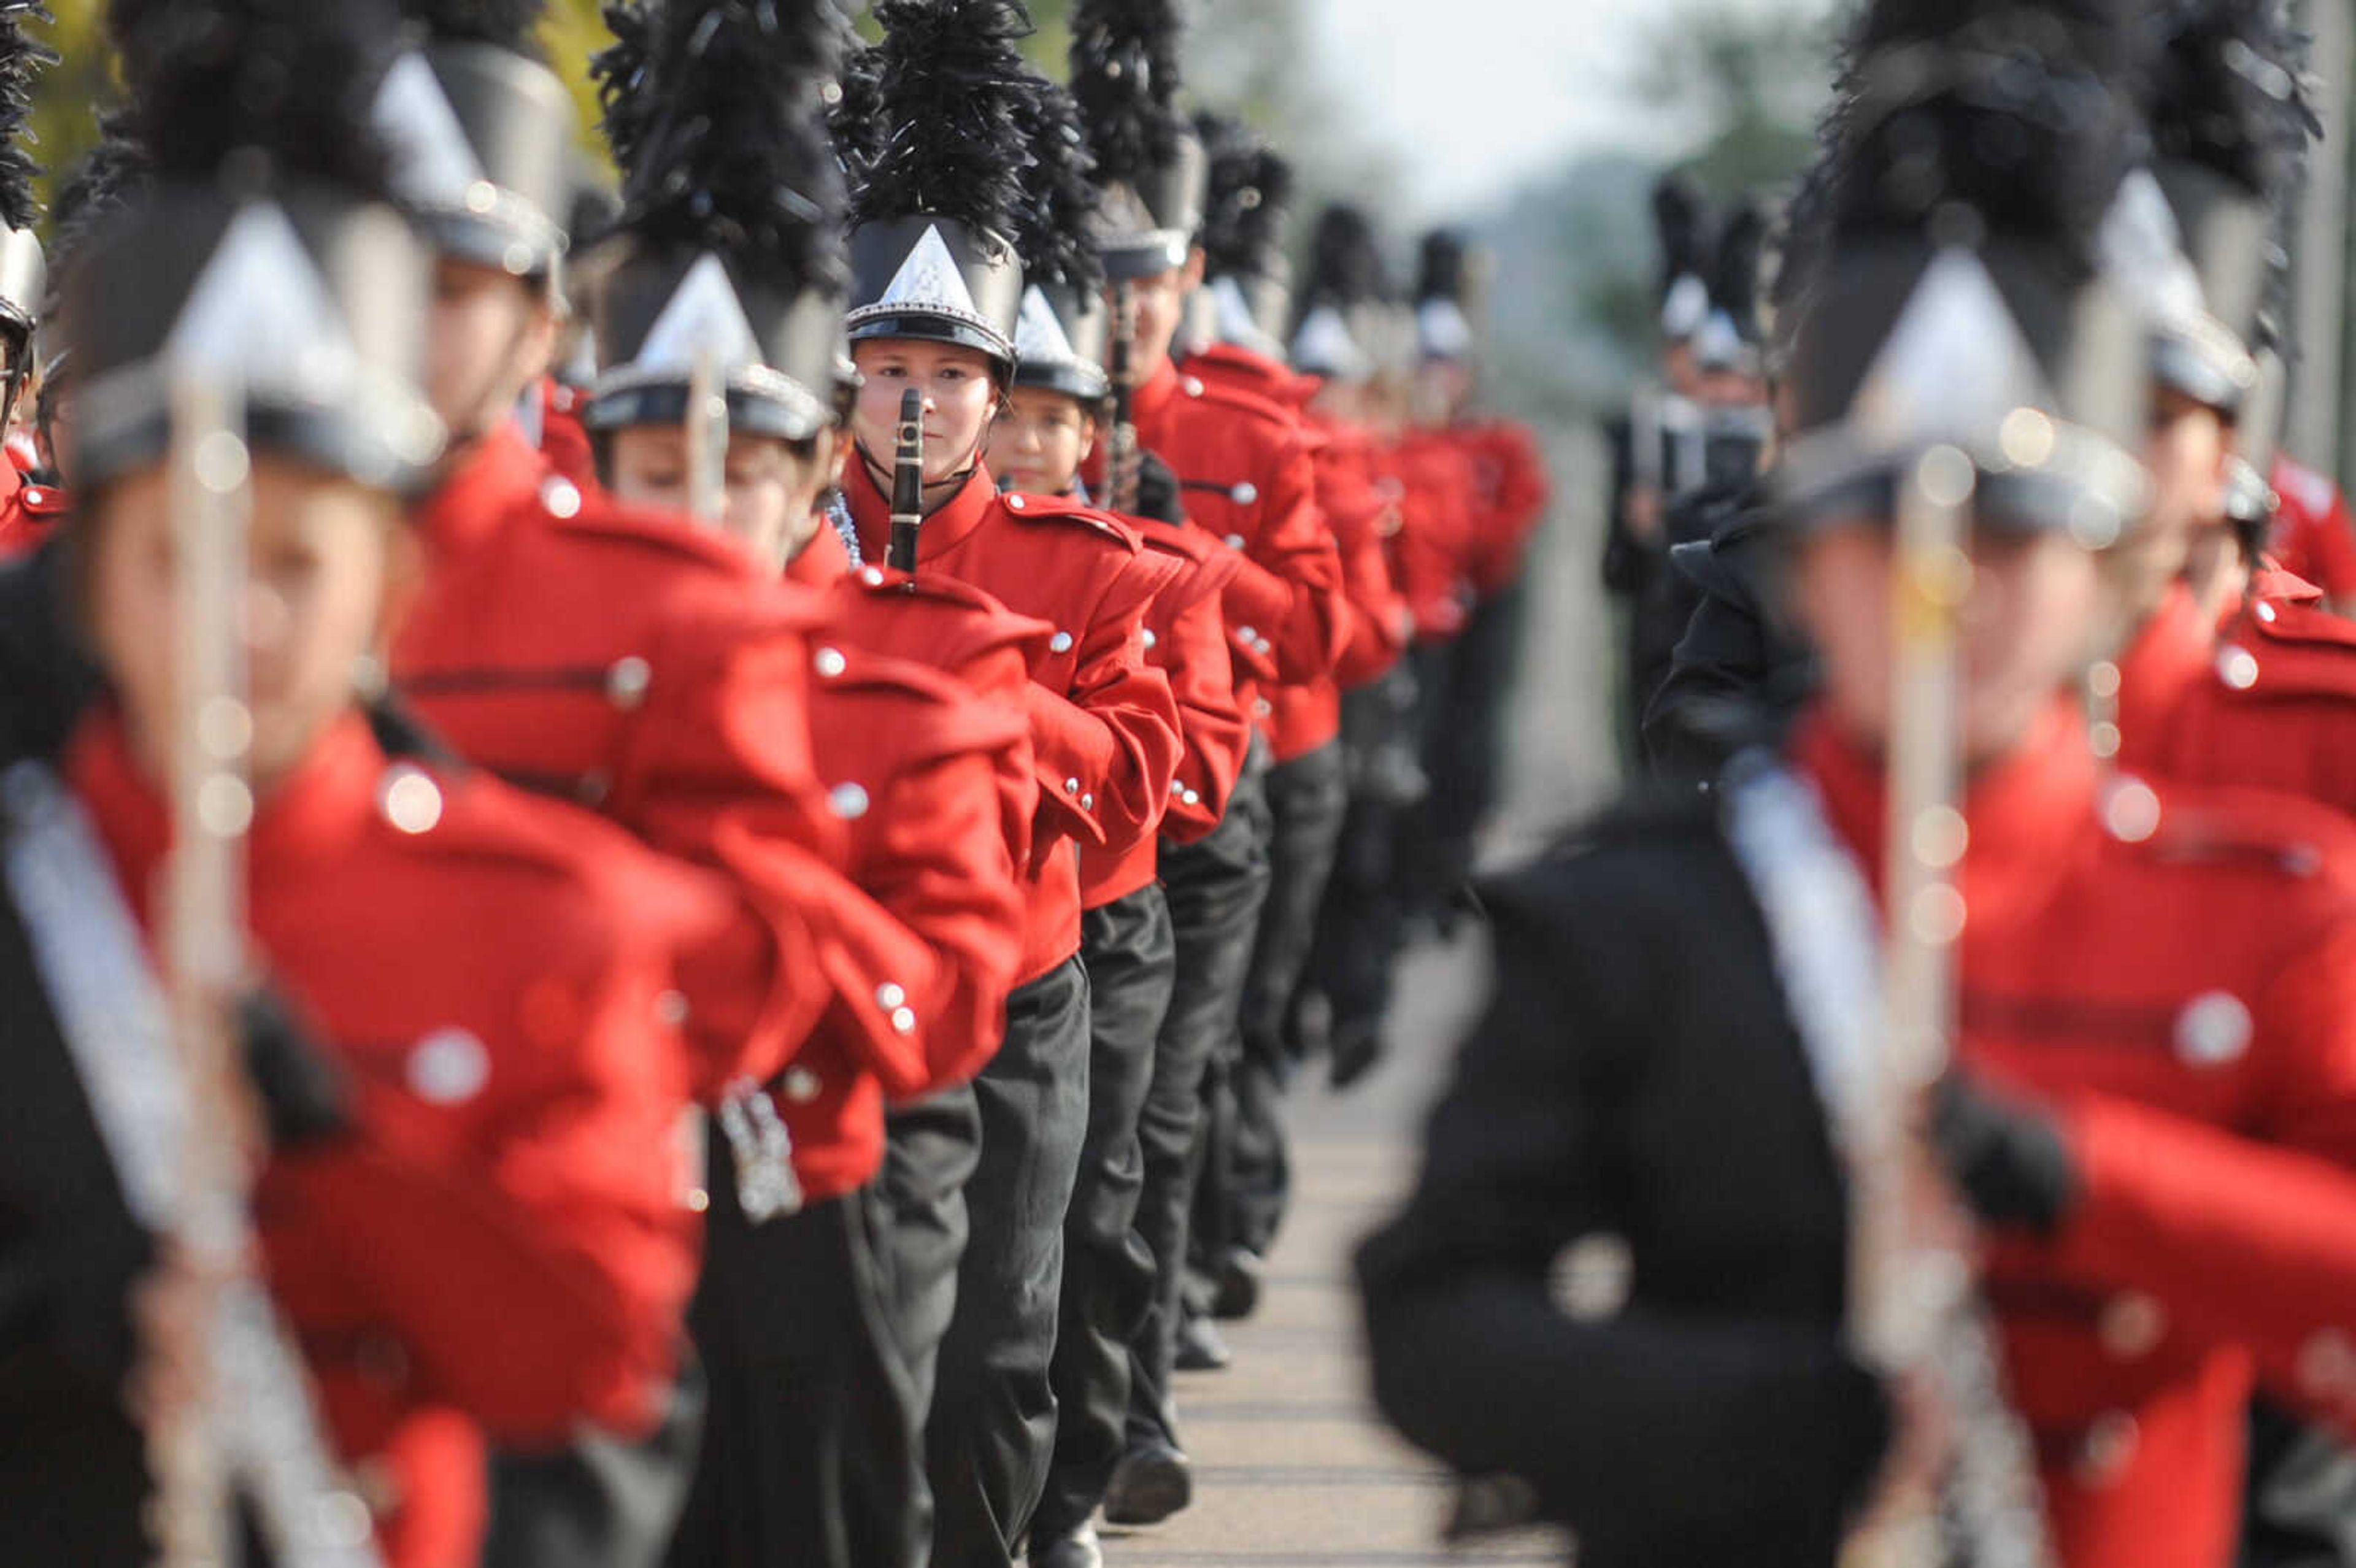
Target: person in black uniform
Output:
[{"x": 1621, "y": 1279}]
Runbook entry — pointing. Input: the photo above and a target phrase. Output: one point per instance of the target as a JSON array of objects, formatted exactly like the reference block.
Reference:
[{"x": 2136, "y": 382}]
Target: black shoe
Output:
[
  {"x": 1077, "y": 1550},
  {"x": 1236, "y": 1295},
  {"x": 1148, "y": 1484},
  {"x": 1200, "y": 1349}
]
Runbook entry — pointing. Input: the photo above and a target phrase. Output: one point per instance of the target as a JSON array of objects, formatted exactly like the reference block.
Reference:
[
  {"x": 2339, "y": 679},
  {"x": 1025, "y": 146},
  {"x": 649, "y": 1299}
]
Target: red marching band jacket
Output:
[
  {"x": 1104, "y": 725},
  {"x": 618, "y": 659},
  {"x": 1249, "y": 475},
  {"x": 496, "y": 1249},
  {"x": 2173, "y": 972},
  {"x": 1187, "y": 639}
]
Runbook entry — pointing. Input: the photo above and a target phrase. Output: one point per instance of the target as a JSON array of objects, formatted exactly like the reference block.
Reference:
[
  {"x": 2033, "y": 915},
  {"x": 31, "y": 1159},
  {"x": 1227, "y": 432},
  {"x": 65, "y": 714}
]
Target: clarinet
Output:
[
  {"x": 1916, "y": 1312},
  {"x": 253, "y": 1427},
  {"x": 1120, "y": 449},
  {"x": 907, "y": 485}
]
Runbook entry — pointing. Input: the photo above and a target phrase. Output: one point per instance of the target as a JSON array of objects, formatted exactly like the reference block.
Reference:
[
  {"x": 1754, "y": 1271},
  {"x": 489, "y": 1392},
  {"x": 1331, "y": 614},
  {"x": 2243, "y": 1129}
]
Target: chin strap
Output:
[{"x": 881, "y": 474}]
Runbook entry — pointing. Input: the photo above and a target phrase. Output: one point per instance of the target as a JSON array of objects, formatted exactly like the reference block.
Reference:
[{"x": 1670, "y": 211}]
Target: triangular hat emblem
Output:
[
  {"x": 1039, "y": 336},
  {"x": 929, "y": 279},
  {"x": 1953, "y": 364},
  {"x": 704, "y": 316},
  {"x": 434, "y": 164},
  {"x": 1235, "y": 322},
  {"x": 260, "y": 313}
]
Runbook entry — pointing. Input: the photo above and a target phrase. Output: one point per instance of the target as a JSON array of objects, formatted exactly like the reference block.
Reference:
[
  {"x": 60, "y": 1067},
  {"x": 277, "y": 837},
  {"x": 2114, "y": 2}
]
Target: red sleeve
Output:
[
  {"x": 719, "y": 773},
  {"x": 1190, "y": 647},
  {"x": 932, "y": 851},
  {"x": 2241, "y": 1241},
  {"x": 1105, "y": 754},
  {"x": 1380, "y": 620},
  {"x": 535, "y": 1267},
  {"x": 1294, "y": 545},
  {"x": 1517, "y": 507}
]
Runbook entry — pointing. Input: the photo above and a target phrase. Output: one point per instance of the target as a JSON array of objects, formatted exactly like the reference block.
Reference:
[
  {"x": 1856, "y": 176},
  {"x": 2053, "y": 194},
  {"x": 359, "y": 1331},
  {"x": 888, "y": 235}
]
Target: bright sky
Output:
[{"x": 1540, "y": 80}]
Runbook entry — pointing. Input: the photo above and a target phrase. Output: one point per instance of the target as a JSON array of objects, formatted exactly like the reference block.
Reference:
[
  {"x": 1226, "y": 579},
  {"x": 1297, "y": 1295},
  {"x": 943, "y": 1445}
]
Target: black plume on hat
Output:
[
  {"x": 510, "y": 24},
  {"x": 1742, "y": 253},
  {"x": 291, "y": 79},
  {"x": 716, "y": 112},
  {"x": 951, "y": 93},
  {"x": 1126, "y": 75},
  {"x": 1060, "y": 196},
  {"x": 2227, "y": 94},
  {"x": 1346, "y": 260},
  {"x": 1439, "y": 274},
  {"x": 2031, "y": 125},
  {"x": 1681, "y": 219},
  {"x": 1251, "y": 198},
  {"x": 21, "y": 60}
]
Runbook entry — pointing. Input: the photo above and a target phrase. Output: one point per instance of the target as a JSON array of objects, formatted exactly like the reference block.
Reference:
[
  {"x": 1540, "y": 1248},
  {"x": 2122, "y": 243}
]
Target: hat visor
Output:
[
  {"x": 387, "y": 442},
  {"x": 481, "y": 242},
  {"x": 926, "y": 326},
  {"x": 1072, "y": 378},
  {"x": 2077, "y": 483},
  {"x": 1129, "y": 257},
  {"x": 2206, "y": 363},
  {"x": 777, "y": 408}
]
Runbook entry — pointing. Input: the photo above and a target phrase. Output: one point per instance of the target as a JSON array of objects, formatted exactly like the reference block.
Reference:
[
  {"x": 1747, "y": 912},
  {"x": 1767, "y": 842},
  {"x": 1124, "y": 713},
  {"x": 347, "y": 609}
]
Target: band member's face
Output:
[
  {"x": 1159, "y": 302},
  {"x": 2023, "y": 637},
  {"x": 960, "y": 391},
  {"x": 324, "y": 554},
  {"x": 491, "y": 336},
  {"x": 770, "y": 502},
  {"x": 1038, "y": 445}
]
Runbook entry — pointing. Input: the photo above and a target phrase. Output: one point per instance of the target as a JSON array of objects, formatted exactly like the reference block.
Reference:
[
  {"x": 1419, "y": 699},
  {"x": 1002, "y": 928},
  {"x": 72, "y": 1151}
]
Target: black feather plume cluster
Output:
[
  {"x": 1126, "y": 74},
  {"x": 2226, "y": 92},
  {"x": 2028, "y": 120},
  {"x": 1250, "y": 200},
  {"x": 1681, "y": 219},
  {"x": 510, "y": 24},
  {"x": 110, "y": 176},
  {"x": 716, "y": 111},
  {"x": 1346, "y": 261},
  {"x": 291, "y": 79},
  {"x": 950, "y": 95},
  {"x": 21, "y": 60},
  {"x": 1439, "y": 271},
  {"x": 1741, "y": 252},
  {"x": 1054, "y": 235}
]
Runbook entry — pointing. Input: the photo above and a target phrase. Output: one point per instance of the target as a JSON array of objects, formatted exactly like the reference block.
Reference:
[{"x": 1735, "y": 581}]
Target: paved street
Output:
[{"x": 1293, "y": 1470}]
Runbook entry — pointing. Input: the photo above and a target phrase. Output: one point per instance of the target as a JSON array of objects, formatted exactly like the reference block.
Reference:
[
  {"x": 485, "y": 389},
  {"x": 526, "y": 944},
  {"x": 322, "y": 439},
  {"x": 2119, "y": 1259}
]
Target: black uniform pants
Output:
[
  {"x": 918, "y": 1201},
  {"x": 601, "y": 1502},
  {"x": 812, "y": 1441},
  {"x": 1108, "y": 1274},
  {"x": 1215, "y": 888},
  {"x": 993, "y": 1419},
  {"x": 1306, "y": 800}
]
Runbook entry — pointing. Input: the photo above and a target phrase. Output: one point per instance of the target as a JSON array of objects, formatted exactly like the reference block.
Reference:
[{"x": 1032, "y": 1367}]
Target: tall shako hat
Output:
[
  {"x": 482, "y": 135},
  {"x": 2229, "y": 127},
  {"x": 1681, "y": 220},
  {"x": 1060, "y": 342},
  {"x": 729, "y": 247},
  {"x": 1126, "y": 75},
  {"x": 24, "y": 274},
  {"x": 264, "y": 255},
  {"x": 1729, "y": 336},
  {"x": 936, "y": 179},
  {"x": 1339, "y": 336},
  {"x": 1443, "y": 297},
  {"x": 1246, "y": 275},
  {"x": 1962, "y": 295}
]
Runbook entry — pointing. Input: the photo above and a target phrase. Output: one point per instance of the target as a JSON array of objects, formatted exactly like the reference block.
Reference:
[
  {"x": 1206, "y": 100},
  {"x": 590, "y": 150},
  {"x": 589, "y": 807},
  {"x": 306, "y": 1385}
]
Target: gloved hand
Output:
[
  {"x": 1159, "y": 493},
  {"x": 306, "y": 1098},
  {"x": 2008, "y": 1158}
]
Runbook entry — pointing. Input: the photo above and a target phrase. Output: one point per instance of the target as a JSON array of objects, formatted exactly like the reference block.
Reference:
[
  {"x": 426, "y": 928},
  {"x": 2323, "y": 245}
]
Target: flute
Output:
[{"x": 1916, "y": 1312}]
